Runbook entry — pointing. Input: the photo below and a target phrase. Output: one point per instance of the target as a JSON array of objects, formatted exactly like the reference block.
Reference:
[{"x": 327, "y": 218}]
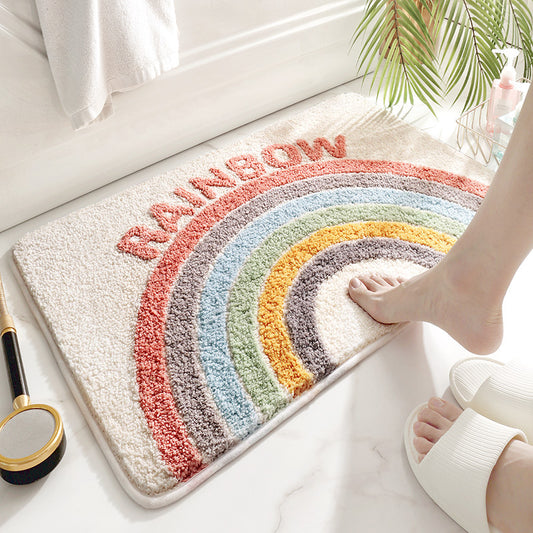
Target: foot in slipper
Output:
[{"x": 478, "y": 471}]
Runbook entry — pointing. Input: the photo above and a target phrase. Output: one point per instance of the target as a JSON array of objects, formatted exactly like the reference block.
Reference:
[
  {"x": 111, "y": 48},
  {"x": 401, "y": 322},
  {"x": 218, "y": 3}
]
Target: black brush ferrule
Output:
[{"x": 17, "y": 378}]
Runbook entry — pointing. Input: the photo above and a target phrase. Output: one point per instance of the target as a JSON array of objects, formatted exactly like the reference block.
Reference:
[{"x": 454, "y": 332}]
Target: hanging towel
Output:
[{"x": 98, "y": 47}]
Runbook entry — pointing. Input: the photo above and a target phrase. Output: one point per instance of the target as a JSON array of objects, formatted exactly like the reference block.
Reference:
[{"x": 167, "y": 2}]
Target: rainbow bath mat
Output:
[{"x": 195, "y": 312}]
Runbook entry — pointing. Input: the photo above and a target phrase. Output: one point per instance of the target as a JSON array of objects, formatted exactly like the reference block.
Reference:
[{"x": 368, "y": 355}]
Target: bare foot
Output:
[
  {"x": 509, "y": 504},
  {"x": 465, "y": 308}
]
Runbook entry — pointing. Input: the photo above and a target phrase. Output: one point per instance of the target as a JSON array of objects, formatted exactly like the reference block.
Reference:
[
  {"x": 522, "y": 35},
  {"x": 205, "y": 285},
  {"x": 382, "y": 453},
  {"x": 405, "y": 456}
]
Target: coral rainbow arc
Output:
[{"x": 193, "y": 313}]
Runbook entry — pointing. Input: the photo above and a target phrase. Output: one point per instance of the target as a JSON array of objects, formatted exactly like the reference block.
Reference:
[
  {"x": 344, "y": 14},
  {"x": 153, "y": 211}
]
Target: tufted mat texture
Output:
[{"x": 193, "y": 313}]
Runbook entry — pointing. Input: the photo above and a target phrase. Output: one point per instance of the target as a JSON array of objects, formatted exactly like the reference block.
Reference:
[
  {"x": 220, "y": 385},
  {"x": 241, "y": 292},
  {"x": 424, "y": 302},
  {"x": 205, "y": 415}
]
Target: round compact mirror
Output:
[{"x": 32, "y": 442}]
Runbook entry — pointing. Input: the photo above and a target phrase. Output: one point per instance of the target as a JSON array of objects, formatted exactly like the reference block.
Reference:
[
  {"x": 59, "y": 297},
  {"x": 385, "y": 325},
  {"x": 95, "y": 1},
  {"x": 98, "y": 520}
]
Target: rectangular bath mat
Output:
[{"x": 193, "y": 313}]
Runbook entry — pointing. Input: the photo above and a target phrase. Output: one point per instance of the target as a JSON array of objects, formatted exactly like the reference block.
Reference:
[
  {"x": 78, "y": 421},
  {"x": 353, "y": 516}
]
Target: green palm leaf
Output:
[
  {"x": 521, "y": 31},
  {"x": 469, "y": 34},
  {"x": 400, "y": 46},
  {"x": 399, "y": 39}
]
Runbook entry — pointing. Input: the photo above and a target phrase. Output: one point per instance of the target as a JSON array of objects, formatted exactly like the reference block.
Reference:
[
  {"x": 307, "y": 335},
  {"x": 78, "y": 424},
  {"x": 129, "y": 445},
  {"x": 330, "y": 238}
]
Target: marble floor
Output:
[{"x": 337, "y": 466}]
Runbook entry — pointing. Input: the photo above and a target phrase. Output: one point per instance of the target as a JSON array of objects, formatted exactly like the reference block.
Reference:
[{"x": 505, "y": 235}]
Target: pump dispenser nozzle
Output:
[
  {"x": 508, "y": 74},
  {"x": 504, "y": 95}
]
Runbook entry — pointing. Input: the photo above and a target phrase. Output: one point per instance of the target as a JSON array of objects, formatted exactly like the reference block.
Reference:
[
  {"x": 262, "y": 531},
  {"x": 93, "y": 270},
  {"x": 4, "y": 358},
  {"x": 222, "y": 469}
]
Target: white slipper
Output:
[
  {"x": 455, "y": 473},
  {"x": 501, "y": 392}
]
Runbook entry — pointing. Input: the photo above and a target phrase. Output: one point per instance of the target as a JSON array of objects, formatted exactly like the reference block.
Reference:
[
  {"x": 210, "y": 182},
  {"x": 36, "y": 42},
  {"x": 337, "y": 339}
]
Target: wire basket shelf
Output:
[{"x": 472, "y": 133}]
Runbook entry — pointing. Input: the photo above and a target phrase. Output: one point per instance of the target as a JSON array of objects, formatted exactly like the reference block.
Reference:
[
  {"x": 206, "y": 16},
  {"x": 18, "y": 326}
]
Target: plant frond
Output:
[
  {"x": 472, "y": 30},
  {"x": 521, "y": 30},
  {"x": 400, "y": 47}
]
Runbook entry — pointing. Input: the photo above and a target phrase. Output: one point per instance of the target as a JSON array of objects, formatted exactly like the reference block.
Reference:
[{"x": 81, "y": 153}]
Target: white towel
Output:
[{"x": 97, "y": 47}]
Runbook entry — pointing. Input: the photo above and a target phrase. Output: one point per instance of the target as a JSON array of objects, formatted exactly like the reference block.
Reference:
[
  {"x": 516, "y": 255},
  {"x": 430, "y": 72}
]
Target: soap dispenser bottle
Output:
[{"x": 504, "y": 95}]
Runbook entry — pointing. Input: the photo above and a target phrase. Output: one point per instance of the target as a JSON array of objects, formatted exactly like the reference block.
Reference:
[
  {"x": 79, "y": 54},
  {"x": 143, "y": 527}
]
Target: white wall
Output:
[{"x": 240, "y": 60}]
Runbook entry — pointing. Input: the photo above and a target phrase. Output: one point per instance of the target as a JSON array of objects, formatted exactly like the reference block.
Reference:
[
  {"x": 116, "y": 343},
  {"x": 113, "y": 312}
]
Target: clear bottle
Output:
[{"x": 504, "y": 95}]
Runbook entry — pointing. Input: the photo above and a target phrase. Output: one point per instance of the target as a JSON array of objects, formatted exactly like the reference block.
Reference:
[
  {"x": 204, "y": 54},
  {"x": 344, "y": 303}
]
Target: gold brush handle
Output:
[{"x": 6, "y": 321}]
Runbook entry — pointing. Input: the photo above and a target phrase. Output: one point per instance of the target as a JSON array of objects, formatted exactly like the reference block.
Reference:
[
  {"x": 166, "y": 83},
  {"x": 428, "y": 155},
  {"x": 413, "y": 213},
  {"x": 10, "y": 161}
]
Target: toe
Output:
[
  {"x": 430, "y": 433},
  {"x": 380, "y": 280},
  {"x": 363, "y": 297},
  {"x": 393, "y": 282},
  {"x": 356, "y": 289},
  {"x": 370, "y": 283},
  {"x": 355, "y": 283},
  {"x": 422, "y": 445},
  {"x": 359, "y": 287},
  {"x": 432, "y": 422},
  {"x": 445, "y": 409},
  {"x": 358, "y": 292},
  {"x": 429, "y": 416}
]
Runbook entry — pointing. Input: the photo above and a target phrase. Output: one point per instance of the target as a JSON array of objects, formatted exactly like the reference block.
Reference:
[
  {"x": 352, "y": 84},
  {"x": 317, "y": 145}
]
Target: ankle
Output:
[
  {"x": 467, "y": 269},
  {"x": 508, "y": 493},
  {"x": 463, "y": 276},
  {"x": 463, "y": 303}
]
